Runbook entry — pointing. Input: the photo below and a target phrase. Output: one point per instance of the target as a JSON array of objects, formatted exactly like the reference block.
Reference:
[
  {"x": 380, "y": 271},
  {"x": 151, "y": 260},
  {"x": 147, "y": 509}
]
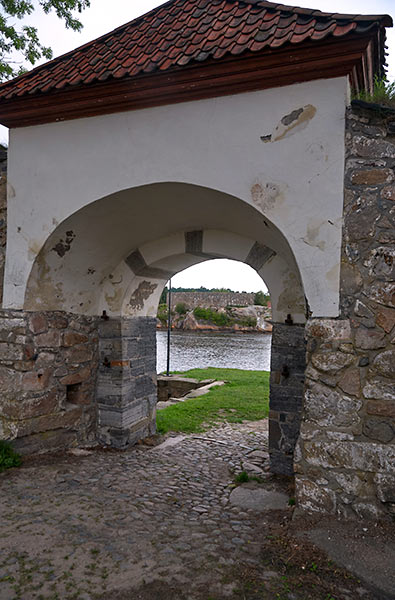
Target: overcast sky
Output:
[{"x": 105, "y": 15}]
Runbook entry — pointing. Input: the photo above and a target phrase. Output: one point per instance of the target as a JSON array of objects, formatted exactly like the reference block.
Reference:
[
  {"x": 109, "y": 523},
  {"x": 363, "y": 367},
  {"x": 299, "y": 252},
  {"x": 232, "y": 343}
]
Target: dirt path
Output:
[{"x": 157, "y": 523}]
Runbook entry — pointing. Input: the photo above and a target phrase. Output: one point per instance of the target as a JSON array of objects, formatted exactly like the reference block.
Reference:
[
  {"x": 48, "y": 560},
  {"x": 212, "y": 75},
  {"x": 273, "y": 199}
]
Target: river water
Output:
[{"x": 198, "y": 349}]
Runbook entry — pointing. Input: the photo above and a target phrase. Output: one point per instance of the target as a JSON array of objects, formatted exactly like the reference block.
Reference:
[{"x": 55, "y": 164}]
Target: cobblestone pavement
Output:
[{"x": 146, "y": 523}]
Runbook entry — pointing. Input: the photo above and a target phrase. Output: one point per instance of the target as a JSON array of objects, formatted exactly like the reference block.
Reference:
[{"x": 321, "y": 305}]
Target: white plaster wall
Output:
[{"x": 296, "y": 180}]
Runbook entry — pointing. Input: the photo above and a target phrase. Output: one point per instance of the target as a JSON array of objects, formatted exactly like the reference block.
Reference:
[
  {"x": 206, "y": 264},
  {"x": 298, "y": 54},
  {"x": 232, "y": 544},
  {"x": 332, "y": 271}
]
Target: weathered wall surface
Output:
[
  {"x": 228, "y": 152},
  {"x": 346, "y": 456},
  {"x": 208, "y": 299},
  {"x": 48, "y": 365}
]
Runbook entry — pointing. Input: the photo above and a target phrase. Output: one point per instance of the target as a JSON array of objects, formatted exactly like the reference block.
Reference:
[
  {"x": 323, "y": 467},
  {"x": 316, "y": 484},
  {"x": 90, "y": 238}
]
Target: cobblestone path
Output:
[
  {"x": 83, "y": 526},
  {"x": 151, "y": 523}
]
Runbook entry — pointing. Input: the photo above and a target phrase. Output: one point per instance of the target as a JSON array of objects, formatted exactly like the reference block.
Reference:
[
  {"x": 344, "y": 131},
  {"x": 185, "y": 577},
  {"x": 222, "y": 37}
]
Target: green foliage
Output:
[
  {"x": 261, "y": 299},
  {"x": 163, "y": 296},
  {"x": 383, "y": 93},
  {"x": 181, "y": 308},
  {"x": 244, "y": 397},
  {"x": 242, "y": 477},
  {"x": 8, "y": 457},
  {"x": 25, "y": 39},
  {"x": 248, "y": 321},
  {"x": 220, "y": 319},
  {"x": 201, "y": 289},
  {"x": 163, "y": 313}
]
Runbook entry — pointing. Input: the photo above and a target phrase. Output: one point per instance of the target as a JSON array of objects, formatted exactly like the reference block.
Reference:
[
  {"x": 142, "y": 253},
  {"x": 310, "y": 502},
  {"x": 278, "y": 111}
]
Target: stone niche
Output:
[
  {"x": 48, "y": 365},
  {"x": 345, "y": 460}
]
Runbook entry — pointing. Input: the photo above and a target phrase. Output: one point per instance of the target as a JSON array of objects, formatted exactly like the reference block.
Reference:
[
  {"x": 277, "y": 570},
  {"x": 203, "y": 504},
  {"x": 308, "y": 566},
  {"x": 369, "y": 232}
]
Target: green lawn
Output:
[{"x": 245, "y": 397}]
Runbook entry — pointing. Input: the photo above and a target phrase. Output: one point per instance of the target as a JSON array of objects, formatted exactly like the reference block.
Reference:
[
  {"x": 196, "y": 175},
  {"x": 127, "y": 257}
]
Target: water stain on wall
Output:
[{"x": 266, "y": 195}]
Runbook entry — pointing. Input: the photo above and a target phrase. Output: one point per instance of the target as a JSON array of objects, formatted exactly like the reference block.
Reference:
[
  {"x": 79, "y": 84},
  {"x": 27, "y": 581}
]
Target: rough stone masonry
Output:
[
  {"x": 345, "y": 461},
  {"x": 74, "y": 380}
]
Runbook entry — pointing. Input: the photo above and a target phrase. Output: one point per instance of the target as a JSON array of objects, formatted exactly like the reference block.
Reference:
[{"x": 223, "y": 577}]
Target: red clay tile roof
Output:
[{"x": 183, "y": 32}]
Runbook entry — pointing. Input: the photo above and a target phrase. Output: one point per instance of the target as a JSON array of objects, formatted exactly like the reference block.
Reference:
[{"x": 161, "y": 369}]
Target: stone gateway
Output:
[{"x": 204, "y": 130}]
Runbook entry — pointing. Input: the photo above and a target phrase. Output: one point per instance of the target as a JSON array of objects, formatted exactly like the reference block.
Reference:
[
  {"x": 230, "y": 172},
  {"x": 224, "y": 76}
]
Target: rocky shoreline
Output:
[{"x": 230, "y": 319}]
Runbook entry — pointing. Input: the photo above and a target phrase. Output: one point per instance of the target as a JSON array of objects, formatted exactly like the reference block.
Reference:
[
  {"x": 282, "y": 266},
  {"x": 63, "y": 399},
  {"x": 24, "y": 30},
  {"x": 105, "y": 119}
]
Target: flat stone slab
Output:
[
  {"x": 258, "y": 499},
  {"x": 172, "y": 441}
]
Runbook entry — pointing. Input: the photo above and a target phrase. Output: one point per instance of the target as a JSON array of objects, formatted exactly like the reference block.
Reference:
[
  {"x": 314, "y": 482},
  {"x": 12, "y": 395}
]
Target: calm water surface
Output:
[{"x": 193, "y": 349}]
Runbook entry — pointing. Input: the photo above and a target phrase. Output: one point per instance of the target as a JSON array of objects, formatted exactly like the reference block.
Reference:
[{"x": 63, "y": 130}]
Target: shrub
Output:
[
  {"x": 261, "y": 299},
  {"x": 383, "y": 93},
  {"x": 208, "y": 314},
  {"x": 181, "y": 308},
  {"x": 163, "y": 313},
  {"x": 248, "y": 321},
  {"x": 8, "y": 457}
]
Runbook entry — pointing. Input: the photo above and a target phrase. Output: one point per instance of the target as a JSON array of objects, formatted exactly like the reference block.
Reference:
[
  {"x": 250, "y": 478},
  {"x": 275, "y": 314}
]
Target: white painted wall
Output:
[{"x": 296, "y": 181}]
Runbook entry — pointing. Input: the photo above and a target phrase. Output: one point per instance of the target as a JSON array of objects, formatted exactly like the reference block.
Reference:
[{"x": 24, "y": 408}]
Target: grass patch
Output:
[
  {"x": 8, "y": 457},
  {"x": 245, "y": 397}
]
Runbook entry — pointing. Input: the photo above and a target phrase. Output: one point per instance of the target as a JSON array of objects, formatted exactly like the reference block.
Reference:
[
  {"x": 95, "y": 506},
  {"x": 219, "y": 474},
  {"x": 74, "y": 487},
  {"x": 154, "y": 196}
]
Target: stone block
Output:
[
  {"x": 285, "y": 399},
  {"x": 11, "y": 352},
  {"x": 388, "y": 192},
  {"x": 350, "y": 382},
  {"x": 378, "y": 430},
  {"x": 71, "y": 338},
  {"x": 332, "y": 362},
  {"x": 27, "y": 408},
  {"x": 36, "y": 381},
  {"x": 385, "y": 487},
  {"x": 311, "y": 497},
  {"x": 364, "y": 456},
  {"x": 328, "y": 408},
  {"x": 382, "y": 293},
  {"x": 76, "y": 377},
  {"x": 384, "y": 363},
  {"x": 369, "y": 339},
  {"x": 46, "y": 441},
  {"x": 68, "y": 419},
  {"x": 366, "y": 147},
  {"x": 329, "y": 329},
  {"x": 38, "y": 323},
  {"x": 382, "y": 408},
  {"x": 280, "y": 463},
  {"x": 51, "y": 339},
  {"x": 379, "y": 390},
  {"x": 372, "y": 176},
  {"x": 288, "y": 336},
  {"x": 385, "y": 318},
  {"x": 58, "y": 320},
  {"x": 78, "y": 354}
]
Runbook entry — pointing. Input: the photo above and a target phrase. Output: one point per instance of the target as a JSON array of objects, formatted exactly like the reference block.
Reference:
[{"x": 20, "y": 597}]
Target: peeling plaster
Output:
[
  {"x": 64, "y": 246},
  {"x": 295, "y": 121},
  {"x": 143, "y": 292}
]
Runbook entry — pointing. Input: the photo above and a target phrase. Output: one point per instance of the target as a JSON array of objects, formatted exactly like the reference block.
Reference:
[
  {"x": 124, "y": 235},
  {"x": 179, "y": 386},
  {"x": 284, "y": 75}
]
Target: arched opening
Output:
[{"x": 109, "y": 262}]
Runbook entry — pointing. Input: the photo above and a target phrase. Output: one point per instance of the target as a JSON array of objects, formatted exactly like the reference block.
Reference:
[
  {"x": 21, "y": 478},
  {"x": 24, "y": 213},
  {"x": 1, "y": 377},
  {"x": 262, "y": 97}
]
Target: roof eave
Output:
[{"x": 352, "y": 56}]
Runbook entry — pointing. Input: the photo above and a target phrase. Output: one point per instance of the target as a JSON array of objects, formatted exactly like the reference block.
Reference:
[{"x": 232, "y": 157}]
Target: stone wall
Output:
[
  {"x": 209, "y": 299},
  {"x": 3, "y": 215},
  {"x": 48, "y": 364},
  {"x": 126, "y": 386},
  {"x": 288, "y": 363},
  {"x": 346, "y": 456}
]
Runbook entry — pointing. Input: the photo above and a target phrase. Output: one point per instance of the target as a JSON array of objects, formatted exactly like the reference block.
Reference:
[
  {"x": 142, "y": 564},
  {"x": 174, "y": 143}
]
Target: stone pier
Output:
[{"x": 126, "y": 383}]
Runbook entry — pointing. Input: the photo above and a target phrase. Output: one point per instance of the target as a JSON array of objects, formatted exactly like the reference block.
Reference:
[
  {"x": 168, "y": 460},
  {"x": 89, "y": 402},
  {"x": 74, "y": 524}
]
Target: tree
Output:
[
  {"x": 25, "y": 39},
  {"x": 261, "y": 299}
]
